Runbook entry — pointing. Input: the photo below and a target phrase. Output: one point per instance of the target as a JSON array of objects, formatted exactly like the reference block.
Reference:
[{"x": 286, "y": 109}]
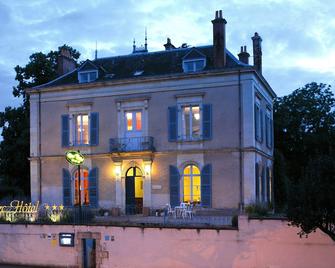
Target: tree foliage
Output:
[
  {"x": 305, "y": 138},
  {"x": 14, "y": 121}
]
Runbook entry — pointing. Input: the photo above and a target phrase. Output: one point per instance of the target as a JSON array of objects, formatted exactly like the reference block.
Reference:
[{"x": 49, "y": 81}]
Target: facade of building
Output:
[{"x": 190, "y": 124}]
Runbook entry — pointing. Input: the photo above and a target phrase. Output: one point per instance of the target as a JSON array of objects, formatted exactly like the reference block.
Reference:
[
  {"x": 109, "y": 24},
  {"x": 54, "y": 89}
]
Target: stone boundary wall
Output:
[{"x": 257, "y": 244}]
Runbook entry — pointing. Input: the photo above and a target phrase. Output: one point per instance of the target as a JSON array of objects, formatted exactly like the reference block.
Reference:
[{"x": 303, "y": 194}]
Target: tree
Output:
[
  {"x": 311, "y": 202},
  {"x": 305, "y": 137},
  {"x": 14, "y": 121}
]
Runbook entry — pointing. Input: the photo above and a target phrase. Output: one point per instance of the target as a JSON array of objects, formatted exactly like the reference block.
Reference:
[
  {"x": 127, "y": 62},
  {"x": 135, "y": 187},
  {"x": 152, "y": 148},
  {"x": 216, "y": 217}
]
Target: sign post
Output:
[{"x": 76, "y": 158}]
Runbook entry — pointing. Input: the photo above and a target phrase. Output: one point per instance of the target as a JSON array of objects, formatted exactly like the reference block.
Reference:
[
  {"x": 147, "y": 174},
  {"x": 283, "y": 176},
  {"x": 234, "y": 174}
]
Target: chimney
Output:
[
  {"x": 168, "y": 45},
  {"x": 65, "y": 62},
  {"x": 243, "y": 56},
  {"x": 257, "y": 48},
  {"x": 219, "y": 40}
]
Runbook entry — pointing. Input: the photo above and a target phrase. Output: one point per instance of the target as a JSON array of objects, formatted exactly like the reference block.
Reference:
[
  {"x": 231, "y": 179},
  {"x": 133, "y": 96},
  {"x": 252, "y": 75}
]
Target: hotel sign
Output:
[
  {"x": 19, "y": 210},
  {"x": 74, "y": 157}
]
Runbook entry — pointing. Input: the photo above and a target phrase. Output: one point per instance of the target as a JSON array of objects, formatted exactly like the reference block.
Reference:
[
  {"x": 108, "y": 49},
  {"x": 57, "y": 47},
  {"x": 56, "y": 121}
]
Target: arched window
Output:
[
  {"x": 83, "y": 186},
  {"x": 192, "y": 184}
]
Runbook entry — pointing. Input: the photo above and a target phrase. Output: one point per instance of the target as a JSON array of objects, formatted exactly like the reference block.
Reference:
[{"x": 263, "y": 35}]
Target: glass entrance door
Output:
[
  {"x": 89, "y": 254},
  {"x": 134, "y": 191},
  {"x": 133, "y": 129}
]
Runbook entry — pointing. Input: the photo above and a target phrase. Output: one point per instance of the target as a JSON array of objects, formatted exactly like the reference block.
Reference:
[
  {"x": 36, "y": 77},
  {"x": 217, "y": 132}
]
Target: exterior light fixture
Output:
[
  {"x": 117, "y": 171},
  {"x": 147, "y": 169}
]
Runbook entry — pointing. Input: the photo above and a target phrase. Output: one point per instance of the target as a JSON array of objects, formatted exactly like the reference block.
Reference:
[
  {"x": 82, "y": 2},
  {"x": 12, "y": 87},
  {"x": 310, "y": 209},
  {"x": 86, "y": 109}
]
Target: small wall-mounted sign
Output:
[
  {"x": 156, "y": 187},
  {"x": 66, "y": 239}
]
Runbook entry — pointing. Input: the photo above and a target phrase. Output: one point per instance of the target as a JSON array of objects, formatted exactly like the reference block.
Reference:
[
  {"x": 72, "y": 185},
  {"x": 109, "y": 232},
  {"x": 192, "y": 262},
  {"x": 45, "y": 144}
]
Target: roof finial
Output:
[
  {"x": 146, "y": 41},
  {"x": 96, "y": 50}
]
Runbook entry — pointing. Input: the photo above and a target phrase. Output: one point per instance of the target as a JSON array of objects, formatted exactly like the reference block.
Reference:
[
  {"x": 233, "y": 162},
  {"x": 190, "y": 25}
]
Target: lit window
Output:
[
  {"x": 81, "y": 129},
  {"x": 134, "y": 121},
  {"x": 191, "y": 122},
  {"x": 85, "y": 77},
  {"x": 129, "y": 117},
  {"x": 192, "y": 184},
  {"x": 83, "y": 187},
  {"x": 193, "y": 65}
]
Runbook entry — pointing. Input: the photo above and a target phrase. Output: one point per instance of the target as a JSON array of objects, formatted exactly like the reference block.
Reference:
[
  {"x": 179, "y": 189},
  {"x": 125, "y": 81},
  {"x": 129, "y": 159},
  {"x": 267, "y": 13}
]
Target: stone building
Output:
[{"x": 186, "y": 124}]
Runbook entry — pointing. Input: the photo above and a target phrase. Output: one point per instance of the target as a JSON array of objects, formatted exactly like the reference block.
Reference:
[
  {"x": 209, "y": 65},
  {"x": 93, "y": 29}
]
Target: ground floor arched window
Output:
[
  {"x": 84, "y": 187},
  {"x": 191, "y": 184}
]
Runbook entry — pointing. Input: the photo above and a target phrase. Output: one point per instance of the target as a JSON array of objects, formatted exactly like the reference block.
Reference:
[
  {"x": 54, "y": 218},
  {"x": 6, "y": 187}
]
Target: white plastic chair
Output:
[{"x": 170, "y": 211}]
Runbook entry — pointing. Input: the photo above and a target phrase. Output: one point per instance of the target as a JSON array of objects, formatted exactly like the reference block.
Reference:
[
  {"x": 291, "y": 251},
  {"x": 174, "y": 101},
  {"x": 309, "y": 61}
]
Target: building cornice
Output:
[{"x": 153, "y": 79}]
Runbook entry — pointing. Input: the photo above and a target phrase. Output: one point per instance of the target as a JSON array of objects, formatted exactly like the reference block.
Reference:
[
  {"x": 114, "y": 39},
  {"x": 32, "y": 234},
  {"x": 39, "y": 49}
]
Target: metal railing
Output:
[{"x": 133, "y": 144}]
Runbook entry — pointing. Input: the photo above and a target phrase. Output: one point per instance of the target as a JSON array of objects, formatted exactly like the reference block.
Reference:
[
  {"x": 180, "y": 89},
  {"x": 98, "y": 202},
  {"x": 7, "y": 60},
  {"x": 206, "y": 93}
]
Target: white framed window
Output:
[
  {"x": 87, "y": 76},
  {"x": 194, "y": 65},
  {"x": 191, "y": 122},
  {"x": 191, "y": 184},
  {"x": 81, "y": 129},
  {"x": 133, "y": 120}
]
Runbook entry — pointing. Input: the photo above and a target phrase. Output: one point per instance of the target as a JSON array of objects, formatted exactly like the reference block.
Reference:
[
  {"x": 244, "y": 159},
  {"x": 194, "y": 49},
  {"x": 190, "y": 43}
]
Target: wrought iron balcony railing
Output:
[{"x": 134, "y": 144}]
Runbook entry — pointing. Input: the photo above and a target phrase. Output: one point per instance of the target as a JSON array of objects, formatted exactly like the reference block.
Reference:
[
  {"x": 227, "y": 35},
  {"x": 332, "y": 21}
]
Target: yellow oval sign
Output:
[{"x": 74, "y": 157}]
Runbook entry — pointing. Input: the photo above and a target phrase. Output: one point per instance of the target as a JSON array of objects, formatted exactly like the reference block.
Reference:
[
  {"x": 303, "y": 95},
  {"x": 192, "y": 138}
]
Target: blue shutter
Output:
[
  {"x": 263, "y": 184},
  {"x": 271, "y": 133},
  {"x": 267, "y": 131},
  {"x": 261, "y": 125},
  {"x": 94, "y": 129},
  {"x": 93, "y": 187},
  {"x": 268, "y": 198},
  {"x": 65, "y": 130},
  {"x": 174, "y": 186},
  {"x": 173, "y": 123},
  {"x": 67, "y": 196},
  {"x": 257, "y": 182},
  {"x": 207, "y": 121},
  {"x": 206, "y": 186},
  {"x": 256, "y": 109}
]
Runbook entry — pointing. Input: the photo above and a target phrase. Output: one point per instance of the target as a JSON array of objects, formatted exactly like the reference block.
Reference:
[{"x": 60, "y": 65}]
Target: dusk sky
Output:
[{"x": 298, "y": 36}]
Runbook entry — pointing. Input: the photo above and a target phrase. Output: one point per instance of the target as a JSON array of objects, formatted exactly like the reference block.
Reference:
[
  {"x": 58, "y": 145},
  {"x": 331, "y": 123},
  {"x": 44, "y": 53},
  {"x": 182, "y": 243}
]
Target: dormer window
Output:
[
  {"x": 193, "y": 65},
  {"x": 87, "y": 76}
]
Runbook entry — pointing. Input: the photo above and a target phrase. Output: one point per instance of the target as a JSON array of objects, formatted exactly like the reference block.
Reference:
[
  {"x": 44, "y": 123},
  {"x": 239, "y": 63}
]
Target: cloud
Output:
[{"x": 298, "y": 35}]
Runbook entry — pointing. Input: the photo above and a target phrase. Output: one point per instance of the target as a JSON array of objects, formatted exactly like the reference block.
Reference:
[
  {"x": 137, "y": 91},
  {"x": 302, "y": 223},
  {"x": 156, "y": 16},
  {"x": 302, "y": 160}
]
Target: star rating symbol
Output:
[
  {"x": 47, "y": 206},
  {"x": 54, "y": 207},
  {"x": 61, "y": 207}
]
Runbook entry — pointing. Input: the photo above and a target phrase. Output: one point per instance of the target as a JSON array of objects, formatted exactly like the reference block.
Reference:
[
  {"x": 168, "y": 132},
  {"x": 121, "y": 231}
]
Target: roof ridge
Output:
[{"x": 153, "y": 52}]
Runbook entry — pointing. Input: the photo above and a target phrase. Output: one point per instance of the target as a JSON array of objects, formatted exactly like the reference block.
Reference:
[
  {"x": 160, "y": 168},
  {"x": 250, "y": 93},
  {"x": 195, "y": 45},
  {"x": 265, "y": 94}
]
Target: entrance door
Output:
[
  {"x": 89, "y": 254},
  {"x": 134, "y": 191},
  {"x": 133, "y": 130}
]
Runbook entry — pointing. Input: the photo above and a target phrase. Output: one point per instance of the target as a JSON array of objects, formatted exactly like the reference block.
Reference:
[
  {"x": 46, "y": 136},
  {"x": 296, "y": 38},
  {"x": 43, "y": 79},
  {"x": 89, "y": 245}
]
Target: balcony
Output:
[{"x": 134, "y": 144}]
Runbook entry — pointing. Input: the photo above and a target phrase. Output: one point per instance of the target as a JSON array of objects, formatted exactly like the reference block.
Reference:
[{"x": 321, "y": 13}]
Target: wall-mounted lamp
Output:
[
  {"x": 147, "y": 169},
  {"x": 117, "y": 170}
]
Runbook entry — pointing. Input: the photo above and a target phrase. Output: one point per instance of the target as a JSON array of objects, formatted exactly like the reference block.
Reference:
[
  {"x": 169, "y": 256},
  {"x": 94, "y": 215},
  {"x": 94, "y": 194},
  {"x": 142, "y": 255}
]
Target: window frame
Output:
[
  {"x": 193, "y": 61},
  {"x": 183, "y": 135},
  {"x": 80, "y": 73},
  {"x": 74, "y": 127},
  {"x": 86, "y": 191},
  {"x": 190, "y": 175}
]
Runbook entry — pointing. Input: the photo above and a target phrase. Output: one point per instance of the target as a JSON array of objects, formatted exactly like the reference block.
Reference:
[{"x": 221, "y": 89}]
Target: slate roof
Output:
[{"x": 145, "y": 64}]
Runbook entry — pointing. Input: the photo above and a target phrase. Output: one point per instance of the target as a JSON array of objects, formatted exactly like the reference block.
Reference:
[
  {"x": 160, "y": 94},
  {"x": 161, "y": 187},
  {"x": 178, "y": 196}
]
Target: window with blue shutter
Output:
[
  {"x": 256, "y": 114},
  {"x": 94, "y": 129},
  {"x": 257, "y": 182},
  {"x": 207, "y": 121},
  {"x": 267, "y": 131},
  {"x": 263, "y": 193},
  {"x": 268, "y": 185},
  {"x": 261, "y": 129},
  {"x": 173, "y": 123},
  {"x": 93, "y": 187},
  {"x": 174, "y": 186},
  {"x": 67, "y": 196},
  {"x": 206, "y": 186},
  {"x": 271, "y": 133},
  {"x": 65, "y": 130}
]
